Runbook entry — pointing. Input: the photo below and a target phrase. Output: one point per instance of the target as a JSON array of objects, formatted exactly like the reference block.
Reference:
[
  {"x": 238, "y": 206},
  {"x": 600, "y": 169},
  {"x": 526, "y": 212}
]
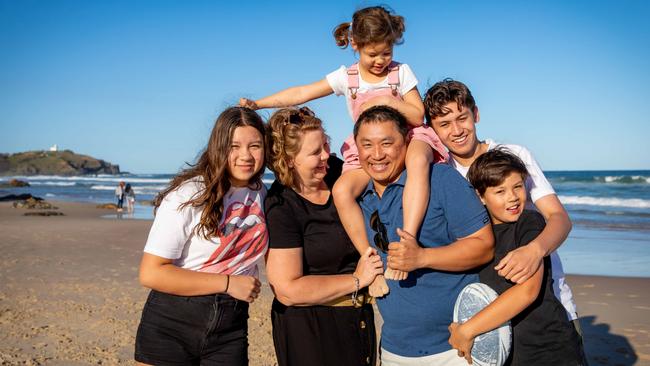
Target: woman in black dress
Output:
[{"x": 321, "y": 312}]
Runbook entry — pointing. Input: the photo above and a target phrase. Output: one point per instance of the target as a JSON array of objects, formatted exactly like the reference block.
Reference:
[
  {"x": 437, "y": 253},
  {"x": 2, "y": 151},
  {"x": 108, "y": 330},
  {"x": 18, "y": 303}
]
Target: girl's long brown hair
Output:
[{"x": 212, "y": 169}]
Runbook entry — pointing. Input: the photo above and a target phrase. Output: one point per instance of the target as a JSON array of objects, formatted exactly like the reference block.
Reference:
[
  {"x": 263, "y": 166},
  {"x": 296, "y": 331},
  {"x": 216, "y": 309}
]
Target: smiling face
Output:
[
  {"x": 506, "y": 202},
  {"x": 457, "y": 131},
  {"x": 310, "y": 164},
  {"x": 375, "y": 57},
  {"x": 246, "y": 155},
  {"x": 382, "y": 150}
]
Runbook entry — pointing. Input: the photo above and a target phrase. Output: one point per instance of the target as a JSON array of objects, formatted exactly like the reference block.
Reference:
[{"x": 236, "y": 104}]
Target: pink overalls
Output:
[{"x": 349, "y": 150}]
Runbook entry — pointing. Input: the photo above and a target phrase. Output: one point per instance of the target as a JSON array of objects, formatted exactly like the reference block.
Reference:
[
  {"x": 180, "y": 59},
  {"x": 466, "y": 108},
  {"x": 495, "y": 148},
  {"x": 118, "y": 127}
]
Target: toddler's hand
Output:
[{"x": 245, "y": 102}]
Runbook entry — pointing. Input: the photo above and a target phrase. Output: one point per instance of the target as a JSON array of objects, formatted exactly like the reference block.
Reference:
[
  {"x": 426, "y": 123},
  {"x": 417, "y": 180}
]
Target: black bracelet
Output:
[{"x": 227, "y": 283}]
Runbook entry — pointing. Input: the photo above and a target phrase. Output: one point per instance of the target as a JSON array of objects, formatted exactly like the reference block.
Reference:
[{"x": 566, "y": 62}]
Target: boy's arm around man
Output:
[{"x": 463, "y": 254}]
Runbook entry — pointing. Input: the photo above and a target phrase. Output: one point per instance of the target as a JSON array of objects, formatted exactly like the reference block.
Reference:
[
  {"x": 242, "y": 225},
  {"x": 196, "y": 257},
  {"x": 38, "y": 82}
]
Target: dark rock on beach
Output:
[
  {"x": 32, "y": 204},
  {"x": 19, "y": 197},
  {"x": 44, "y": 213},
  {"x": 14, "y": 183},
  {"x": 107, "y": 206}
]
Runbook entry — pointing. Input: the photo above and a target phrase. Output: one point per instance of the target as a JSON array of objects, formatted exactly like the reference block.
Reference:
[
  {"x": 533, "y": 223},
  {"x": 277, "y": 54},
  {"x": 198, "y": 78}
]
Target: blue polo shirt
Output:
[{"x": 418, "y": 310}]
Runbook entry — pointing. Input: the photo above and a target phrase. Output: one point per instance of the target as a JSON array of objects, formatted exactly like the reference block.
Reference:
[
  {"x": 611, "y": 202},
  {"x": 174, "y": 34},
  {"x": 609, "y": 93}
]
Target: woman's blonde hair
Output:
[{"x": 286, "y": 128}]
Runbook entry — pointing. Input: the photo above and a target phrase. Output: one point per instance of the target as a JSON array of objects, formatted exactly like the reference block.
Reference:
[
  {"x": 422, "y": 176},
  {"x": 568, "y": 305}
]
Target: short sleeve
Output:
[
  {"x": 464, "y": 212},
  {"x": 338, "y": 80},
  {"x": 537, "y": 184},
  {"x": 284, "y": 230},
  {"x": 529, "y": 226},
  {"x": 172, "y": 227},
  {"x": 407, "y": 79}
]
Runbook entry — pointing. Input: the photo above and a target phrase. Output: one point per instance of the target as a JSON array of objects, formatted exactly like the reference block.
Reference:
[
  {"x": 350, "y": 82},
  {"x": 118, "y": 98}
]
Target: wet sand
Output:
[{"x": 69, "y": 295}]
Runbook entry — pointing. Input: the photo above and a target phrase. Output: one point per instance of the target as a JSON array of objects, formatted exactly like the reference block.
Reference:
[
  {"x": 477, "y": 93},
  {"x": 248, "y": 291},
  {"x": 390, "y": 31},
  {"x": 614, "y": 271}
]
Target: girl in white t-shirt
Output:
[
  {"x": 374, "y": 80},
  {"x": 201, "y": 257}
]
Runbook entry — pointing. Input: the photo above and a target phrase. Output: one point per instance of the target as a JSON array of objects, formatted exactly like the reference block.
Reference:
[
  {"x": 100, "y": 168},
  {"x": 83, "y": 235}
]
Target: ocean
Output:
[{"x": 610, "y": 211}]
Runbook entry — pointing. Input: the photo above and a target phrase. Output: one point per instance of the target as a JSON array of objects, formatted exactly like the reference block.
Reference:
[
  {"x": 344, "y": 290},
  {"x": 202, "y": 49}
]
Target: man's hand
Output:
[
  {"x": 405, "y": 255},
  {"x": 521, "y": 263},
  {"x": 460, "y": 341}
]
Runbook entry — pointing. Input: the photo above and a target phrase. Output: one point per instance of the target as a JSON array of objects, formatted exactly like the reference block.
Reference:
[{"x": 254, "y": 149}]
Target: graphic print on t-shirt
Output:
[{"x": 242, "y": 239}]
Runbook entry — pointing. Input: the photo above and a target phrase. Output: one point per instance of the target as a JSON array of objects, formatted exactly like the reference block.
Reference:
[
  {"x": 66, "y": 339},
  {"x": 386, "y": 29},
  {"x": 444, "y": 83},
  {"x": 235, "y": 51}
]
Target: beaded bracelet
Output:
[{"x": 356, "y": 290}]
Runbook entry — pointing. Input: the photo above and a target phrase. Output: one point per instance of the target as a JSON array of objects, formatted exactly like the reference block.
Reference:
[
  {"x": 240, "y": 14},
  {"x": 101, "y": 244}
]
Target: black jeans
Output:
[{"x": 192, "y": 330}]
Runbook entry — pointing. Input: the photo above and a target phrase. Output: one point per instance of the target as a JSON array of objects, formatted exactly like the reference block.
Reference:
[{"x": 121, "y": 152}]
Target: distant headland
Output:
[{"x": 54, "y": 162}]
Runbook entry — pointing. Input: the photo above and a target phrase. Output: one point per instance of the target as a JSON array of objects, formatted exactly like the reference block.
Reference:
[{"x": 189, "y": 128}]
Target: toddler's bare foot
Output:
[
  {"x": 395, "y": 274},
  {"x": 378, "y": 287}
]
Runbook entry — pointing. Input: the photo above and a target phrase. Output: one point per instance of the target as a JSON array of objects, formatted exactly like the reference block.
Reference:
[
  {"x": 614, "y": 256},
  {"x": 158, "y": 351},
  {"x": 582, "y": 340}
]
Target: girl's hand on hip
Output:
[{"x": 245, "y": 288}]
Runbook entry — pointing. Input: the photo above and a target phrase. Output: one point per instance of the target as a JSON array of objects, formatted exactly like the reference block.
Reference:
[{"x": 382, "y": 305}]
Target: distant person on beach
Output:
[
  {"x": 542, "y": 334},
  {"x": 455, "y": 238},
  {"x": 130, "y": 198},
  {"x": 452, "y": 112},
  {"x": 119, "y": 194},
  {"x": 376, "y": 79},
  {"x": 201, "y": 257},
  {"x": 321, "y": 313}
]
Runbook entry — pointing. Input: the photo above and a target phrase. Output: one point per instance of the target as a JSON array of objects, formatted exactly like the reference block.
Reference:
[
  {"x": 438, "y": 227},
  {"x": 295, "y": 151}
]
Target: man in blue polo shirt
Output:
[{"x": 454, "y": 238}]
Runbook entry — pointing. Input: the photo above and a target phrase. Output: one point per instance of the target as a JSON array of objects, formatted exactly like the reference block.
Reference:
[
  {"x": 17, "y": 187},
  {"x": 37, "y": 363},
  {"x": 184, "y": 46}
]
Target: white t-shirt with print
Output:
[
  {"x": 237, "y": 250},
  {"x": 338, "y": 81},
  {"x": 537, "y": 186}
]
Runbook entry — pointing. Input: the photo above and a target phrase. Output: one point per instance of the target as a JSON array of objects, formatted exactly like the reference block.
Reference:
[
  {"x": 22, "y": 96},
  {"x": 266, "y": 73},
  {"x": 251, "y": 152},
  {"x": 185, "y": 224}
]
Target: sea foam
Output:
[{"x": 604, "y": 201}]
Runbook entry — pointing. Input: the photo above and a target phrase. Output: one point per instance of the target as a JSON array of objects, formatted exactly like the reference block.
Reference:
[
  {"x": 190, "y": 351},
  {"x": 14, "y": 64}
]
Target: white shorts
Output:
[{"x": 448, "y": 358}]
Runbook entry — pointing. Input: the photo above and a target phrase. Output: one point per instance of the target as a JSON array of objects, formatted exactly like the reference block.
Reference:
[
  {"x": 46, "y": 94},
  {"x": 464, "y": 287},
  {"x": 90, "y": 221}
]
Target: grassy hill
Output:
[{"x": 53, "y": 163}]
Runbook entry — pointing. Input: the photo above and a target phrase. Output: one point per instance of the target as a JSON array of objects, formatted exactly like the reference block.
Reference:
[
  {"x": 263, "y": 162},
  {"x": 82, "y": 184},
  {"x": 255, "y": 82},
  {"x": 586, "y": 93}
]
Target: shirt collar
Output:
[{"x": 370, "y": 188}]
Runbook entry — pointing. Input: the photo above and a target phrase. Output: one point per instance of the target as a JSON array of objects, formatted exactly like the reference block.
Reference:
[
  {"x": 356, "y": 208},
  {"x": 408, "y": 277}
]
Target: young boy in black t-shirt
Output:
[{"x": 542, "y": 334}]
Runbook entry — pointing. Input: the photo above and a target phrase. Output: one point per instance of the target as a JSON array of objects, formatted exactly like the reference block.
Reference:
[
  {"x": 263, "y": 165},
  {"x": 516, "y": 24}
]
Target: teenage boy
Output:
[{"x": 452, "y": 112}]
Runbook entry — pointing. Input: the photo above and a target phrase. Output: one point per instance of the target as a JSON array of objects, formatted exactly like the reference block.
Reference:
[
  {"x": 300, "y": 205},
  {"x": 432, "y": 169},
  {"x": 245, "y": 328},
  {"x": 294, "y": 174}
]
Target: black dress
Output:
[
  {"x": 542, "y": 333},
  {"x": 317, "y": 335}
]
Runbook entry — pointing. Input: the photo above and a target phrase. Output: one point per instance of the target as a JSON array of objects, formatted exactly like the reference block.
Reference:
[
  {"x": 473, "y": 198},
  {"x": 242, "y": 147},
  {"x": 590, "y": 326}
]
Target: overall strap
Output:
[
  {"x": 353, "y": 80},
  {"x": 393, "y": 76}
]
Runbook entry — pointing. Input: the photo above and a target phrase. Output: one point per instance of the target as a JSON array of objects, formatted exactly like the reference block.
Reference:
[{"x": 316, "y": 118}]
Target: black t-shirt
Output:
[
  {"x": 294, "y": 222},
  {"x": 542, "y": 333}
]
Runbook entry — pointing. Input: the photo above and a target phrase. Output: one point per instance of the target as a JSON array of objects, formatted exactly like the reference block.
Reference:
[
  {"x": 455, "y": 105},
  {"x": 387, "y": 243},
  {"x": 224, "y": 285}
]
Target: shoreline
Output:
[{"x": 69, "y": 295}]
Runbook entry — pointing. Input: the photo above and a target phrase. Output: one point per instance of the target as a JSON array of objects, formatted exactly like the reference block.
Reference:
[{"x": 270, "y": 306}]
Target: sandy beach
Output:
[{"x": 69, "y": 295}]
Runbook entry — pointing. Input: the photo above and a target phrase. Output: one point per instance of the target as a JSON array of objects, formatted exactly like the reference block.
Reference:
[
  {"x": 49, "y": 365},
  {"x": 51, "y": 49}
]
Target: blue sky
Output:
[{"x": 139, "y": 83}]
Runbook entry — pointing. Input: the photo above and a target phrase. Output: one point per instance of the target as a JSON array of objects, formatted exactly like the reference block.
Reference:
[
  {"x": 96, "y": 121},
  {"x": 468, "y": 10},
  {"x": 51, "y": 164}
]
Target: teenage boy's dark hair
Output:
[
  {"x": 492, "y": 168},
  {"x": 444, "y": 92}
]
